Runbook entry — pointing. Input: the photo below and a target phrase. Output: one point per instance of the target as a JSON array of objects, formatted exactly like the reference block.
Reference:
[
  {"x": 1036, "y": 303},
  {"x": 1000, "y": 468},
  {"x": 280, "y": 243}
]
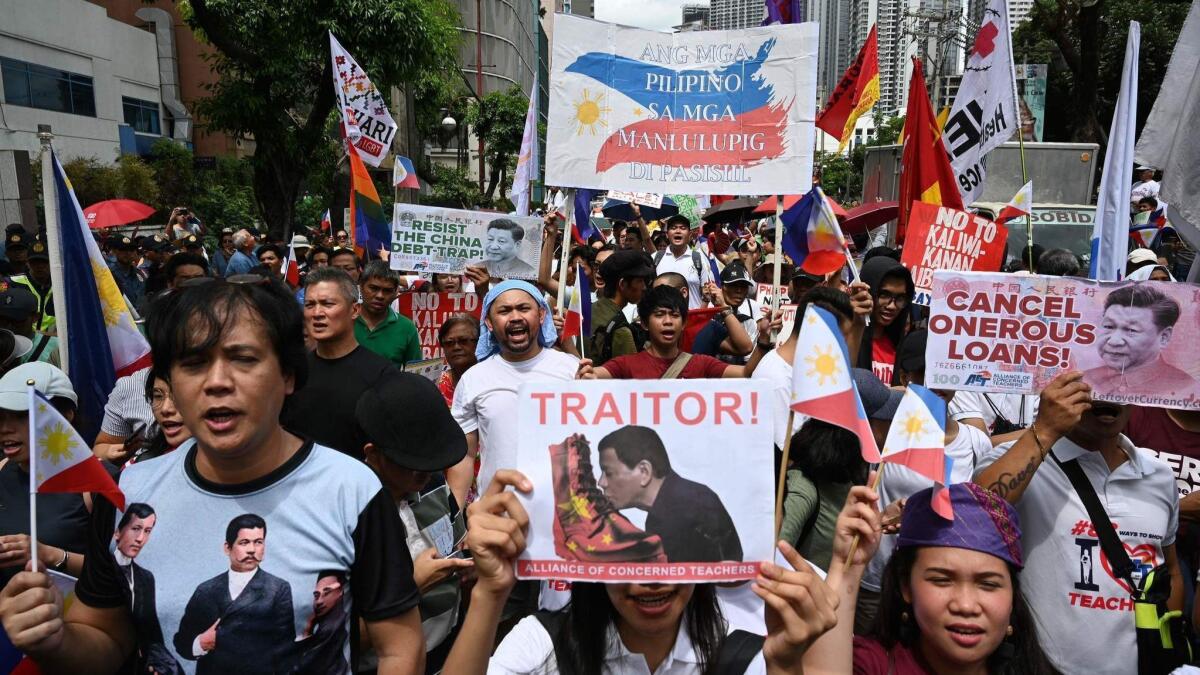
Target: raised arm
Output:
[{"x": 1062, "y": 404}]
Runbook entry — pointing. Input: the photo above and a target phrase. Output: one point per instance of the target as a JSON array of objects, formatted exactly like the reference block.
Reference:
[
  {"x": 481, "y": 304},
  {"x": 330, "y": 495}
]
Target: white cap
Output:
[
  {"x": 47, "y": 380},
  {"x": 1142, "y": 255},
  {"x": 299, "y": 240}
]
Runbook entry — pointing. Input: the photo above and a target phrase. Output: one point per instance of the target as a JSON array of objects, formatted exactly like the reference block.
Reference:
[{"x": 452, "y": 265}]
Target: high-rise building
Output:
[
  {"x": 833, "y": 55},
  {"x": 1018, "y": 11},
  {"x": 735, "y": 14},
  {"x": 692, "y": 13},
  {"x": 579, "y": 8},
  {"x": 894, "y": 51}
]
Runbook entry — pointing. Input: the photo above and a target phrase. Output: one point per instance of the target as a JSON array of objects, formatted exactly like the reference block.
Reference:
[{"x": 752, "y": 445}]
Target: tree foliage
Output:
[
  {"x": 96, "y": 181},
  {"x": 276, "y": 82},
  {"x": 500, "y": 121},
  {"x": 452, "y": 187},
  {"x": 1083, "y": 42}
]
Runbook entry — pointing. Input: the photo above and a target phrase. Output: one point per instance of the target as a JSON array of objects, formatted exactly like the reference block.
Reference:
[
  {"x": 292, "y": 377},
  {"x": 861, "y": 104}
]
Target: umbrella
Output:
[
  {"x": 768, "y": 206},
  {"x": 620, "y": 210},
  {"x": 731, "y": 211},
  {"x": 869, "y": 216},
  {"x": 116, "y": 212}
]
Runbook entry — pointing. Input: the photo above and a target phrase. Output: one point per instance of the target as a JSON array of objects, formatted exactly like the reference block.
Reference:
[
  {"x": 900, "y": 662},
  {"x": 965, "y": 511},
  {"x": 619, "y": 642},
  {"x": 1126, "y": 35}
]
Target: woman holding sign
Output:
[
  {"x": 951, "y": 599},
  {"x": 623, "y": 628}
]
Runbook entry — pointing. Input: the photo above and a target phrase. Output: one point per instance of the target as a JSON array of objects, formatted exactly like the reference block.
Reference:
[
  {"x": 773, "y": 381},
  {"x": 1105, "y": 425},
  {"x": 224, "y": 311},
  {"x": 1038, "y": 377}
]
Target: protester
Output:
[
  {"x": 446, "y": 283},
  {"x": 225, "y": 251},
  {"x": 62, "y": 517},
  {"x": 232, "y": 353},
  {"x": 379, "y": 327},
  {"x": 271, "y": 256},
  {"x": 1069, "y": 585},
  {"x": 317, "y": 257},
  {"x": 1059, "y": 262},
  {"x": 409, "y": 446},
  {"x": 458, "y": 336},
  {"x": 734, "y": 294},
  {"x": 37, "y": 280},
  {"x": 1144, "y": 186},
  {"x": 681, "y": 258},
  {"x": 952, "y": 600},
  {"x": 171, "y": 432},
  {"x": 346, "y": 260},
  {"x": 626, "y": 275},
  {"x": 892, "y": 293},
  {"x": 183, "y": 267},
  {"x": 242, "y": 260},
  {"x": 663, "y": 311},
  {"x": 624, "y": 628},
  {"x": 302, "y": 247},
  {"x": 339, "y": 369},
  {"x": 156, "y": 252},
  {"x": 515, "y": 346}
]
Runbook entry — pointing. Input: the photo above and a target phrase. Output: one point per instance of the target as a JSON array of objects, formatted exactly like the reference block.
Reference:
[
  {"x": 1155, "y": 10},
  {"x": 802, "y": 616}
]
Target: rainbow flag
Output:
[{"x": 370, "y": 229}]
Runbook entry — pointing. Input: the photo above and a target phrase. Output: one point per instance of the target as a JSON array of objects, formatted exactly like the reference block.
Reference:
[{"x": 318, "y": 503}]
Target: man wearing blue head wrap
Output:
[{"x": 516, "y": 339}]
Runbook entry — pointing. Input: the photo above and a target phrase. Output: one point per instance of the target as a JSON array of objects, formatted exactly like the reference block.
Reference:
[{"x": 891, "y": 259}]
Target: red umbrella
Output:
[
  {"x": 116, "y": 212},
  {"x": 869, "y": 216},
  {"x": 768, "y": 206}
]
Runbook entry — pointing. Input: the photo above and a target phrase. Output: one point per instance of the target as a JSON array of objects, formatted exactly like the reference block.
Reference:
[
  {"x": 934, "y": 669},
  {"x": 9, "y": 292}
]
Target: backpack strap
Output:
[
  {"x": 658, "y": 257},
  {"x": 698, "y": 264},
  {"x": 737, "y": 651},
  {"x": 553, "y": 622},
  {"x": 677, "y": 366},
  {"x": 38, "y": 348},
  {"x": 1110, "y": 543}
]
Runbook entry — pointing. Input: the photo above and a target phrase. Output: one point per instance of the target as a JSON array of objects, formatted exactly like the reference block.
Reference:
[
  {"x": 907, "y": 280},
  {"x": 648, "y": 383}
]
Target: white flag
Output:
[
  {"x": 365, "y": 117},
  {"x": 527, "y": 160},
  {"x": 1175, "y": 113},
  {"x": 985, "y": 112},
  {"x": 1110, "y": 230}
]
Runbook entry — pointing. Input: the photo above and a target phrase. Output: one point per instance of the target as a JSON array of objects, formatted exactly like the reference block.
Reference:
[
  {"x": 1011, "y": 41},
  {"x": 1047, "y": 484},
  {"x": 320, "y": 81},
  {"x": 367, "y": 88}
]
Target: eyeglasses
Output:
[
  {"x": 887, "y": 299},
  {"x": 459, "y": 342},
  {"x": 158, "y": 397}
]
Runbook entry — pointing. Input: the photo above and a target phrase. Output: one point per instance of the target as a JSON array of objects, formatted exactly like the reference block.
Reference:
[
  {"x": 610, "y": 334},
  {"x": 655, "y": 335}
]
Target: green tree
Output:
[
  {"x": 452, "y": 187},
  {"x": 96, "y": 181},
  {"x": 174, "y": 174},
  {"x": 1083, "y": 42},
  {"x": 275, "y": 80},
  {"x": 500, "y": 121},
  {"x": 839, "y": 179},
  {"x": 224, "y": 197}
]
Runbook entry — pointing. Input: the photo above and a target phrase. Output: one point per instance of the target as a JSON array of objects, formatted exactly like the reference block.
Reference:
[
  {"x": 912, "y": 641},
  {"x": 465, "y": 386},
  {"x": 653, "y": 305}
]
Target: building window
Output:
[
  {"x": 141, "y": 115},
  {"x": 35, "y": 86}
]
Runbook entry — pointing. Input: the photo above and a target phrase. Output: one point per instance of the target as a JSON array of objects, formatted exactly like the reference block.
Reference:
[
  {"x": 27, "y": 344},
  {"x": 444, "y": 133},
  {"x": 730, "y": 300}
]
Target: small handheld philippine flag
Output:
[
  {"x": 917, "y": 440},
  {"x": 578, "y": 320},
  {"x": 403, "y": 173},
  {"x": 60, "y": 460},
  {"x": 812, "y": 237},
  {"x": 822, "y": 384}
]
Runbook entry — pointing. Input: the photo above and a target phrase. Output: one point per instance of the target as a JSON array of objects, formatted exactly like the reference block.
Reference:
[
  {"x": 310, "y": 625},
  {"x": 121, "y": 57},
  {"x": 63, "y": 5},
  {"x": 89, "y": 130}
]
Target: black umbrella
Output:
[
  {"x": 732, "y": 211},
  {"x": 621, "y": 210}
]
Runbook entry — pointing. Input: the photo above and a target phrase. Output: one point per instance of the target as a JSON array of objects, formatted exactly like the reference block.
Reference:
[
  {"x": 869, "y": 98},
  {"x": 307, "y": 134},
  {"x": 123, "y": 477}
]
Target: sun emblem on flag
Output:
[
  {"x": 112, "y": 303},
  {"x": 823, "y": 364},
  {"x": 590, "y": 113},
  {"x": 913, "y": 426},
  {"x": 56, "y": 441}
]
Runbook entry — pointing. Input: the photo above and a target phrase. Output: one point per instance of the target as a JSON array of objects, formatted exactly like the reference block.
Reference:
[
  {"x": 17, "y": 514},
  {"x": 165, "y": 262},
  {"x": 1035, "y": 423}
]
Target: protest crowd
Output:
[{"x": 949, "y": 485}]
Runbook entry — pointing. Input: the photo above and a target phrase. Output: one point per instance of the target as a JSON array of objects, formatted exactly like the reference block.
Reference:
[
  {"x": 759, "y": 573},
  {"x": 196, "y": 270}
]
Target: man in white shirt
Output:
[
  {"x": 515, "y": 346},
  {"x": 1145, "y": 186},
  {"x": 681, "y": 258},
  {"x": 1001, "y": 416},
  {"x": 1068, "y": 583}
]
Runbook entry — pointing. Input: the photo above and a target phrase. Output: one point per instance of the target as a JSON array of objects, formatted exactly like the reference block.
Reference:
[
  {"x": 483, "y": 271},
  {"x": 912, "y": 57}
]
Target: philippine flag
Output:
[
  {"x": 812, "y": 237},
  {"x": 917, "y": 440},
  {"x": 326, "y": 223},
  {"x": 291, "y": 268},
  {"x": 1020, "y": 205},
  {"x": 578, "y": 320},
  {"x": 60, "y": 460},
  {"x": 582, "y": 230},
  {"x": 403, "y": 173},
  {"x": 822, "y": 384}
]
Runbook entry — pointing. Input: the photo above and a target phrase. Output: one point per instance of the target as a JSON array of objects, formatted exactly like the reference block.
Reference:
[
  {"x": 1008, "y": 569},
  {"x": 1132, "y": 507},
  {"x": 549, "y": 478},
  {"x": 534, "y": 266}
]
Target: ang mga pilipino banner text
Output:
[
  {"x": 1134, "y": 341},
  {"x": 632, "y": 482},
  {"x": 444, "y": 241},
  {"x": 706, "y": 112},
  {"x": 942, "y": 238}
]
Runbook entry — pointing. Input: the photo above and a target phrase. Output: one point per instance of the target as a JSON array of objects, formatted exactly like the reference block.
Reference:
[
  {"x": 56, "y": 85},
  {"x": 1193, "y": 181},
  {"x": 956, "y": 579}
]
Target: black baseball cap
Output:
[
  {"x": 911, "y": 355},
  {"x": 122, "y": 243},
  {"x": 17, "y": 240},
  {"x": 735, "y": 273},
  {"x": 626, "y": 265},
  {"x": 38, "y": 250},
  {"x": 16, "y": 301},
  {"x": 405, "y": 416},
  {"x": 677, "y": 218},
  {"x": 879, "y": 400}
]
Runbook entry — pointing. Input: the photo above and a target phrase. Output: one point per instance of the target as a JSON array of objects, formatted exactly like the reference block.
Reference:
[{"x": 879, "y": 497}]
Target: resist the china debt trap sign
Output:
[
  {"x": 705, "y": 112},
  {"x": 632, "y": 480},
  {"x": 942, "y": 238},
  {"x": 445, "y": 241},
  {"x": 1134, "y": 341}
]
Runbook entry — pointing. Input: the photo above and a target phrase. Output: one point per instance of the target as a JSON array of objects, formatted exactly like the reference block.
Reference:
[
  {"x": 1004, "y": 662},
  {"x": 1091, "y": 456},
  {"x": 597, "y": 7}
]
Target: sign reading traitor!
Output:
[
  {"x": 1135, "y": 341},
  {"x": 707, "y": 112},
  {"x": 445, "y": 241},
  {"x": 632, "y": 480}
]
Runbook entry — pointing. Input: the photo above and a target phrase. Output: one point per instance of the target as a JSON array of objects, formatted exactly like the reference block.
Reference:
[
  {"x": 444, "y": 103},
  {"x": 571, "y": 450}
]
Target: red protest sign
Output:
[
  {"x": 942, "y": 238},
  {"x": 430, "y": 310}
]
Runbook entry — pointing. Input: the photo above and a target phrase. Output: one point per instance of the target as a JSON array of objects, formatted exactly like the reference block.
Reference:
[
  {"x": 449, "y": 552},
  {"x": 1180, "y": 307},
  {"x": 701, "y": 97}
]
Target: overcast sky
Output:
[{"x": 656, "y": 14}]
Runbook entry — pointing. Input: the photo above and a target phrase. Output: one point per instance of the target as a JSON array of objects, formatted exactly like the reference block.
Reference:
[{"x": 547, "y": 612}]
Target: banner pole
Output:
[
  {"x": 778, "y": 272},
  {"x": 33, "y": 481},
  {"x": 565, "y": 256},
  {"x": 1024, "y": 180},
  {"x": 779, "y": 492},
  {"x": 874, "y": 486},
  {"x": 54, "y": 248}
]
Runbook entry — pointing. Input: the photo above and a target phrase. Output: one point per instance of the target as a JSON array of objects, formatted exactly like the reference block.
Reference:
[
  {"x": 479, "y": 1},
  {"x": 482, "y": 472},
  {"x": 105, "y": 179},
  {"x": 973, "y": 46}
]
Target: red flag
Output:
[
  {"x": 854, "y": 95},
  {"x": 925, "y": 173},
  {"x": 291, "y": 268}
]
